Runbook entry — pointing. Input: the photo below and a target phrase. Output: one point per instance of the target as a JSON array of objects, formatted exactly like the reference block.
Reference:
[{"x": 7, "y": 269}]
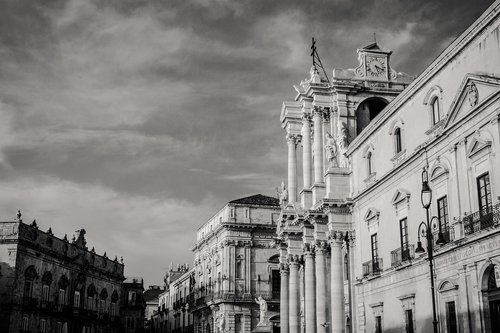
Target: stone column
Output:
[
  {"x": 294, "y": 304},
  {"x": 284, "y": 306},
  {"x": 318, "y": 145},
  {"x": 321, "y": 299},
  {"x": 292, "y": 141},
  {"x": 310, "y": 289},
  {"x": 306, "y": 151},
  {"x": 337, "y": 282}
]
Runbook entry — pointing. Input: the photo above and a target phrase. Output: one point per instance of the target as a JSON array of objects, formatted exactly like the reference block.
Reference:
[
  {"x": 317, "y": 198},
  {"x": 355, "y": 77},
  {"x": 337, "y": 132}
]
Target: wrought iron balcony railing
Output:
[
  {"x": 371, "y": 268},
  {"x": 401, "y": 255},
  {"x": 448, "y": 234},
  {"x": 482, "y": 219}
]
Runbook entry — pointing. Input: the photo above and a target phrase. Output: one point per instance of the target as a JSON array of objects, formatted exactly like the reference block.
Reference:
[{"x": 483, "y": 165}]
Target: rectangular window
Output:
[
  {"x": 238, "y": 323},
  {"x": 62, "y": 297},
  {"x": 451, "y": 317},
  {"x": 28, "y": 288},
  {"x": 59, "y": 327},
  {"x": 43, "y": 325},
  {"x": 442, "y": 204},
  {"x": 436, "y": 117},
  {"x": 26, "y": 323},
  {"x": 374, "y": 244},
  {"x": 403, "y": 234},
  {"x": 409, "y": 321},
  {"x": 131, "y": 297},
  {"x": 130, "y": 322},
  {"x": 276, "y": 283},
  {"x": 378, "y": 324},
  {"x": 45, "y": 293},
  {"x": 76, "y": 300},
  {"x": 484, "y": 193}
]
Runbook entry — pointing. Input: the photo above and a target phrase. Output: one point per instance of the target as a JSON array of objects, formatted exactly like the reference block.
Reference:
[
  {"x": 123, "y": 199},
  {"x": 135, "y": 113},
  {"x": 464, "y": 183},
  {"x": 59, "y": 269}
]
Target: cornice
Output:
[{"x": 434, "y": 68}]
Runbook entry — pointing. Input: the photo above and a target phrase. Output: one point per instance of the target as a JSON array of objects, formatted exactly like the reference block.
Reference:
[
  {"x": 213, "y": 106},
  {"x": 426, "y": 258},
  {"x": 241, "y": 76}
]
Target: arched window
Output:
[
  {"x": 46, "y": 281},
  {"x": 102, "y": 301},
  {"x": 369, "y": 162},
  {"x": 91, "y": 295},
  {"x": 114, "y": 305},
  {"x": 29, "y": 280},
  {"x": 397, "y": 140},
  {"x": 63, "y": 285},
  {"x": 436, "y": 113}
]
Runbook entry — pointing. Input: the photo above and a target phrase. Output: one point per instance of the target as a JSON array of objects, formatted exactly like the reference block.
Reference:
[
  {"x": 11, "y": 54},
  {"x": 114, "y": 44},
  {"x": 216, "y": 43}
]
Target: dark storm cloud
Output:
[{"x": 147, "y": 116}]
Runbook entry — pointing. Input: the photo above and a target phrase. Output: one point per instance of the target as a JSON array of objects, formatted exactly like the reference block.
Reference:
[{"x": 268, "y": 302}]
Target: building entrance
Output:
[{"x": 495, "y": 315}]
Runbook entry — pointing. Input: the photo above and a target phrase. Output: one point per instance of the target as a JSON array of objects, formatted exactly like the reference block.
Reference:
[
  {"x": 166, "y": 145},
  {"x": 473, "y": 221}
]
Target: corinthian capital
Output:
[
  {"x": 336, "y": 237},
  {"x": 318, "y": 111},
  {"x": 294, "y": 138},
  {"x": 306, "y": 117}
]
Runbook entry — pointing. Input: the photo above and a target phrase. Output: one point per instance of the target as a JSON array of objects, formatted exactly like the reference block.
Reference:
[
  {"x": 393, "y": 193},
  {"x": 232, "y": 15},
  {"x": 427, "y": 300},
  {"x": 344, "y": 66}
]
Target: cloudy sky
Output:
[{"x": 137, "y": 120}]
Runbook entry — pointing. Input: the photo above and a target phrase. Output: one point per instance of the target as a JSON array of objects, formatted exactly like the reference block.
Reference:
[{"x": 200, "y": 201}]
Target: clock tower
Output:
[{"x": 374, "y": 63}]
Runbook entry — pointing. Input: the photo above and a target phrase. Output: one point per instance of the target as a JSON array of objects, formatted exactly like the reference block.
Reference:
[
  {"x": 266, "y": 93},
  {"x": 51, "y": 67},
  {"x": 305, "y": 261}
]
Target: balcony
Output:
[
  {"x": 448, "y": 234},
  {"x": 30, "y": 302},
  {"x": 400, "y": 255},
  {"x": 372, "y": 268},
  {"x": 483, "y": 219}
]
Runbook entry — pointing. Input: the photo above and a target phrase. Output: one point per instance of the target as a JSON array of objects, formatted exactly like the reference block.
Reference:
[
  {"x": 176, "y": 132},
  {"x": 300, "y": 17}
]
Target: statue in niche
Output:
[
  {"x": 343, "y": 143},
  {"x": 263, "y": 311},
  {"x": 221, "y": 323},
  {"x": 331, "y": 150},
  {"x": 282, "y": 194}
]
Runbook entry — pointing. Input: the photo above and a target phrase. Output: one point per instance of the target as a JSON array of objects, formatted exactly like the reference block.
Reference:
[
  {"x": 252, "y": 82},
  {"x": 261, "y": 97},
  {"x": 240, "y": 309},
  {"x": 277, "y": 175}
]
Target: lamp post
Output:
[{"x": 425, "y": 229}]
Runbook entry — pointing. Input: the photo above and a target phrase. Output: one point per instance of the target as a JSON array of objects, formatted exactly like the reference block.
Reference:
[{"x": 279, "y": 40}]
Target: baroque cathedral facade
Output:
[{"x": 396, "y": 173}]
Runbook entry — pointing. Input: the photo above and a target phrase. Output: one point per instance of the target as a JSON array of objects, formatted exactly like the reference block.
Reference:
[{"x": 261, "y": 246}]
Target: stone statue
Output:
[
  {"x": 283, "y": 194},
  {"x": 221, "y": 323},
  {"x": 263, "y": 311},
  {"x": 343, "y": 143},
  {"x": 472, "y": 94},
  {"x": 331, "y": 150}
]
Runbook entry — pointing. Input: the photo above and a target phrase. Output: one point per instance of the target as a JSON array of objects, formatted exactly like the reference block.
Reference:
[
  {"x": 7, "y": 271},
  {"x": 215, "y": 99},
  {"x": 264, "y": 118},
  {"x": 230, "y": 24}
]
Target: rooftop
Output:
[{"x": 258, "y": 200}]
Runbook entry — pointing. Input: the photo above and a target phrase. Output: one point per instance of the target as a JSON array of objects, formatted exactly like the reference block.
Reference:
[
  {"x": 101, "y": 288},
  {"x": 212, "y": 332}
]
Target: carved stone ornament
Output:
[
  {"x": 336, "y": 236},
  {"x": 293, "y": 138},
  {"x": 472, "y": 94},
  {"x": 308, "y": 249}
]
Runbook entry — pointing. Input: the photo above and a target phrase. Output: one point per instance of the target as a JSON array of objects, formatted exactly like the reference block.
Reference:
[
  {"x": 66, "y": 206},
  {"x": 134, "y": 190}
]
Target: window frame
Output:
[
  {"x": 435, "y": 109},
  {"x": 398, "y": 140},
  {"x": 488, "y": 202}
]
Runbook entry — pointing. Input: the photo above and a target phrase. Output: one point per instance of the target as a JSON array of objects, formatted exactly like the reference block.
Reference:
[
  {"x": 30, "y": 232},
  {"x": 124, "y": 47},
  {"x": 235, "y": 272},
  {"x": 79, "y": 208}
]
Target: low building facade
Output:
[
  {"x": 235, "y": 265},
  {"x": 133, "y": 306},
  {"x": 390, "y": 166},
  {"x": 48, "y": 284}
]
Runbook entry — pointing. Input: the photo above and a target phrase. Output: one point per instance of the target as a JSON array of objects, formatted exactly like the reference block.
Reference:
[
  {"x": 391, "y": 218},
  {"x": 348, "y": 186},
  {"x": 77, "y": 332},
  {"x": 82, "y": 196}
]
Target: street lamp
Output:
[{"x": 425, "y": 229}]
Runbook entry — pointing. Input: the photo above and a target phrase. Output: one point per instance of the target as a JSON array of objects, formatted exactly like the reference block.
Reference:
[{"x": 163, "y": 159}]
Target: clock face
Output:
[{"x": 375, "y": 66}]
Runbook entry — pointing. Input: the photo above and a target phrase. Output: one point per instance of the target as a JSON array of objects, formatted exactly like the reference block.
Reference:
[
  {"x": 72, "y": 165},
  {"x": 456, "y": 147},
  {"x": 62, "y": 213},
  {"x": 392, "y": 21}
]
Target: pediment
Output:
[
  {"x": 477, "y": 144},
  {"x": 371, "y": 213},
  {"x": 474, "y": 91},
  {"x": 399, "y": 196}
]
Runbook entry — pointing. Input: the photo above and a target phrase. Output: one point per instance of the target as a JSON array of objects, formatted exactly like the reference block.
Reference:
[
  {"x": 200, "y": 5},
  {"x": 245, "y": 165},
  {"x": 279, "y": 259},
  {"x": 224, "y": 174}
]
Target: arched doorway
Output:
[
  {"x": 491, "y": 297},
  {"x": 275, "y": 323},
  {"x": 367, "y": 110}
]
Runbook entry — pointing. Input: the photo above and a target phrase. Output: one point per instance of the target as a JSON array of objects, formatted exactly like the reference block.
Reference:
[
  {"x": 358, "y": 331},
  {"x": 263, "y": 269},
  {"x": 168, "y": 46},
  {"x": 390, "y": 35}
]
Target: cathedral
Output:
[{"x": 390, "y": 218}]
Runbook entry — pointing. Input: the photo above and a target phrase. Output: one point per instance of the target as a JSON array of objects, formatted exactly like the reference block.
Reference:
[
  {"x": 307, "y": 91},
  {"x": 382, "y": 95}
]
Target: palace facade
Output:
[
  {"x": 379, "y": 147},
  {"x": 49, "y": 284},
  {"x": 234, "y": 264}
]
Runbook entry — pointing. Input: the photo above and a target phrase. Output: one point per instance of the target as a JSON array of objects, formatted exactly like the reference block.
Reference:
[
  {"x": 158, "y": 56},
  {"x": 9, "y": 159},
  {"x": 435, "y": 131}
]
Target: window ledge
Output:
[
  {"x": 370, "y": 179},
  {"x": 435, "y": 126},
  {"x": 396, "y": 159}
]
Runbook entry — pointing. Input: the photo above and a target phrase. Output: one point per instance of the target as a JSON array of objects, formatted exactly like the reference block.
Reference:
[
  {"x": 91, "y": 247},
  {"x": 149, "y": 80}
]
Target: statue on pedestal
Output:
[
  {"x": 221, "y": 323},
  {"x": 343, "y": 143},
  {"x": 331, "y": 150},
  {"x": 282, "y": 194},
  {"x": 263, "y": 311}
]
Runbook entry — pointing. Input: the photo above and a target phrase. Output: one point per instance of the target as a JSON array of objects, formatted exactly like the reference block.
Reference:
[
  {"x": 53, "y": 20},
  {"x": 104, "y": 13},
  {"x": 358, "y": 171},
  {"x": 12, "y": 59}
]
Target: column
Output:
[
  {"x": 306, "y": 150},
  {"x": 318, "y": 145},
  {"x": 248, "y": 273},
  {"x": 321, "y": 317},
  {"x": 292, "y": 140},
  {"x": 337, "y": 282},
  {"x": 294, "y": 304},
  {"x": 310, "y": 290},
  {"x": 284, "y": 323},
  {"x": 225, "y": 271}
]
